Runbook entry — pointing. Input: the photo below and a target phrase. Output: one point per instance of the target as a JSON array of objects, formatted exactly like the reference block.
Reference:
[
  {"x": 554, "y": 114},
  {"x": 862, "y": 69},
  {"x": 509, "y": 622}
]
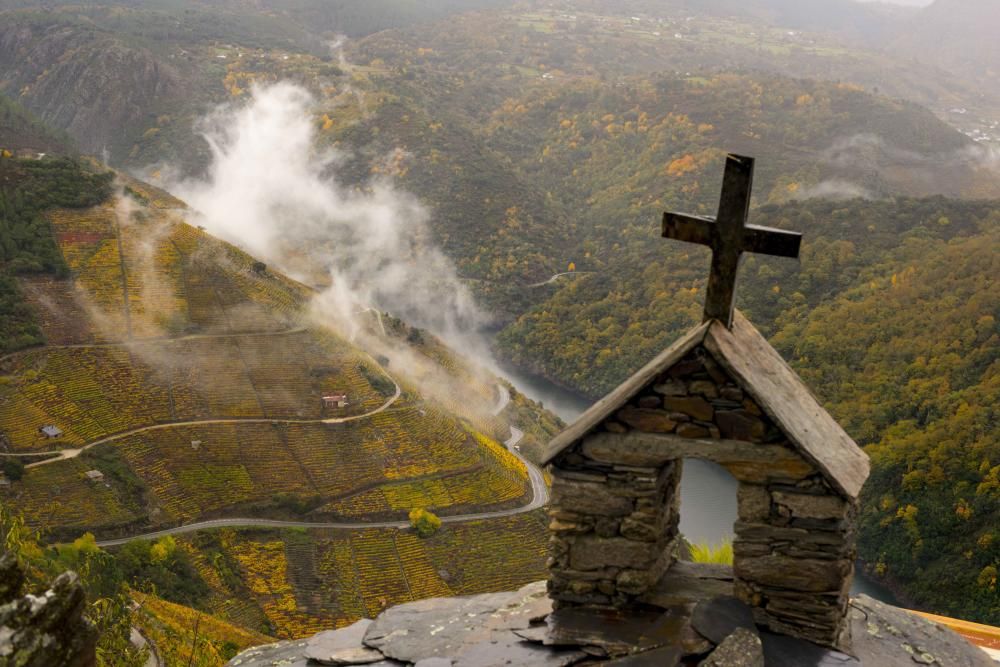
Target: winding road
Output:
[
  {"x": 539, "y": 491},
  {"x": 64, "y": 454},
  {"x": 539, "y": 496},
  {"x": 560, "y": 275}
]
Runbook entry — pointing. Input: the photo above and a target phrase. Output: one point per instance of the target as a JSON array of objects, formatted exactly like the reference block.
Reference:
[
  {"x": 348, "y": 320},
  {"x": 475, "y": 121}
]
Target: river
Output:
[{"x": 708, "y": 491}]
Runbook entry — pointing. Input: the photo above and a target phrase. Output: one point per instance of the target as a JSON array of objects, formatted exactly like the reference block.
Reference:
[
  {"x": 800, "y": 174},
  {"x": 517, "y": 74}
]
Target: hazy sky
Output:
[{"x": 912, "y": 3}]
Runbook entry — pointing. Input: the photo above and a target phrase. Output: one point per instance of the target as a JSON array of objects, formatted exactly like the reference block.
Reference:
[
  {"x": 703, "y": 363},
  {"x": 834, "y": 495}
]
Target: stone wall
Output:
[
  {"x": 794, "y": 557},
  {"x": 615, "y": 504},
  {"x": 614, "y": 530}
]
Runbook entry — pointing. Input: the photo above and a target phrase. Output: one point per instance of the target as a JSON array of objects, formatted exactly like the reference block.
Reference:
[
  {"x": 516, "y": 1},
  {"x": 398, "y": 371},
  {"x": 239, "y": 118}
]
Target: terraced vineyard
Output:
[
  {"x": 206, "y": 396},
  {"x": 496, "y": 478},
  {"x": 305, "y": 582},
  {"x": 61, "y": 495},
  {"x": 479, "y": 389},
  {"x": 180, "y": 370},
  {"x": 228, "y": 292},
  {"x": 141, "y": 272},
  {"x": 89, "y": 242},
  {"x": 171, "y": 628},
  {"x": 190, "y": 472},
  {"x": 95, "y": 392},
  {"x": 59, "y": 310}
]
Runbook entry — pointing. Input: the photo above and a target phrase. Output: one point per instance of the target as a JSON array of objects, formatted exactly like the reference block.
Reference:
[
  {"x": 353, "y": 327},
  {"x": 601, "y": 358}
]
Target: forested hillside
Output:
[
  {"x": 908, "y": 362},
  {"x": 263, "y": 17},
  {"x": 21, "y": 130},
  {"x": 28, "y": 189},
  {"x": 600, "y": 328}
]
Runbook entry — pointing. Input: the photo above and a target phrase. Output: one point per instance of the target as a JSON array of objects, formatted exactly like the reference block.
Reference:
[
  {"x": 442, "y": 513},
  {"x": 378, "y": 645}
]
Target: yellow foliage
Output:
[
  {"x": 424, "y": 522},
  {"x": 681, "y": 166},
  {"x": 803, "y": 100},
  {"x": 963, "y": 510},
  {"x": 171, "y": 627},
  {"x": 163, "y": 549},
  {"x": 988, "y": 578}
]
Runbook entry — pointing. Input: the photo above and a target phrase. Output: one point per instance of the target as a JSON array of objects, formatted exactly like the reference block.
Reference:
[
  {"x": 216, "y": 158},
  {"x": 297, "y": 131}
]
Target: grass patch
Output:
[{"x": 720, "y": 554}]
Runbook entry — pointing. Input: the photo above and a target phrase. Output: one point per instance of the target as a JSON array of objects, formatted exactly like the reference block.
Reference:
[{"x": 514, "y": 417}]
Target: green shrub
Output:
[
  {"x": 424, "y": 522},
  {"x": 12, "y": 468}
]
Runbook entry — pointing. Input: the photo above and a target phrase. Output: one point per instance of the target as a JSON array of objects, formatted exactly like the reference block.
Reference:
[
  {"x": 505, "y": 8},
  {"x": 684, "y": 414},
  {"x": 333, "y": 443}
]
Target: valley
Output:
[{"x": 167, "y": 376}]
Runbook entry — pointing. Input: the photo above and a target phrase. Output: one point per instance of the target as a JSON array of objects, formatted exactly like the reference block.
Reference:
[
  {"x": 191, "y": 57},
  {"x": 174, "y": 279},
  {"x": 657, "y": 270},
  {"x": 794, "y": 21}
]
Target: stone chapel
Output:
[
  {"x": 618, "y": 591},
  {"x": 723, "y": 394}
]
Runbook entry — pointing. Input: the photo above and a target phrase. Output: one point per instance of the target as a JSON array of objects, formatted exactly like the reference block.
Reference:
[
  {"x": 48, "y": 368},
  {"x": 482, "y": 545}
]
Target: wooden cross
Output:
[{"x": 729, "y": 236}]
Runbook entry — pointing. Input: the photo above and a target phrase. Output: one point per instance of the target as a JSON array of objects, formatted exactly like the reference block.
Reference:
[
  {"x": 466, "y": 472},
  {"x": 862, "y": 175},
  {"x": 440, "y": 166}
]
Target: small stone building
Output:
[
  {"x": 335, "y": 401},
  {"x": 725, "y": 395}
]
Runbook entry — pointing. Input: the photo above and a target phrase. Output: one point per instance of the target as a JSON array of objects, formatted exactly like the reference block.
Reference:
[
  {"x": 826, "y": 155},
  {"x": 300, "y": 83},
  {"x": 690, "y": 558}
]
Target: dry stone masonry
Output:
[{"x": 616, "y": 487}]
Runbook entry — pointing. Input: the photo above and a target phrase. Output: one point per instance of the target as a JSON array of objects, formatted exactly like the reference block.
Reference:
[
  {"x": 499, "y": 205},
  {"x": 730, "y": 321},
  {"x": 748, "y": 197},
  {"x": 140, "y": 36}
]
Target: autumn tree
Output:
[{"x": 425, "y": 523}]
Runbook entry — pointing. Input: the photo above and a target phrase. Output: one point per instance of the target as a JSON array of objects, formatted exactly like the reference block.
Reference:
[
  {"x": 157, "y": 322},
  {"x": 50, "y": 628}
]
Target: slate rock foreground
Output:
[{"x": 501, "y": 629}]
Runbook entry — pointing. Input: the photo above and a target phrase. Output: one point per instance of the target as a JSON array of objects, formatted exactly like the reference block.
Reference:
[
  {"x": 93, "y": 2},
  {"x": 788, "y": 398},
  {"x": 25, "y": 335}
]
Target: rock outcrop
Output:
[
  {"x": 520, "y": 628},
  {"x": 44, "y": 630}
]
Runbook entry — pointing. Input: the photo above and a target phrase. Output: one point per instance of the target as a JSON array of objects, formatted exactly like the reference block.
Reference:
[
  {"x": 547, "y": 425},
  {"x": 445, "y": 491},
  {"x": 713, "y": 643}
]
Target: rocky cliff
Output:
[{"x": 97, "y": 87}]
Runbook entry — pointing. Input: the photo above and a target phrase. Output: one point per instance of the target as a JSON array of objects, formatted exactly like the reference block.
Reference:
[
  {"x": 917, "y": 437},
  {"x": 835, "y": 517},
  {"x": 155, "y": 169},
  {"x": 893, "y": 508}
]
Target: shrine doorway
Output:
[{"x": 708, "y": 502}]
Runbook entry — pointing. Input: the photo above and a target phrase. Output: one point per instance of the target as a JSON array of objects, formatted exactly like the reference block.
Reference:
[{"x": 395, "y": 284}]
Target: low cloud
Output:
[
  {"x": 865, "y": 150},
  {"x": 834, "y": 189},
  {"x": 270, "y": 190},
  {"x": 866, "y": 165}
]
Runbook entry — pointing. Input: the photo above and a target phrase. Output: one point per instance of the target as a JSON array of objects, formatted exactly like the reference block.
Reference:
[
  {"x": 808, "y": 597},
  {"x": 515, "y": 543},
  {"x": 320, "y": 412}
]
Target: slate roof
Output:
[{"x": 761, "y": 372}]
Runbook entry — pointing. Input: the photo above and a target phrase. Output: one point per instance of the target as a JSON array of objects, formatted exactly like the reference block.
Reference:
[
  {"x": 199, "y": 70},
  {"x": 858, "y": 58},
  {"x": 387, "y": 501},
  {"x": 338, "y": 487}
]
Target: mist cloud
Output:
[
  {"x": 272, "y": 192},
  {"x": 834, "y": 189},
  {"x": 867, "y": 165}
]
